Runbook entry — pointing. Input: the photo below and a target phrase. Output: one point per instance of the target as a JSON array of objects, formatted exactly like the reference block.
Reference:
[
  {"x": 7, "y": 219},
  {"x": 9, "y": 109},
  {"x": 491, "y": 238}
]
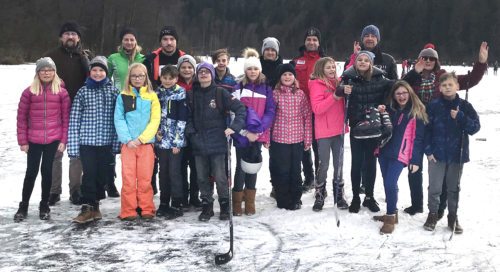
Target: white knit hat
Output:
[{"x": 251, "y": 59}]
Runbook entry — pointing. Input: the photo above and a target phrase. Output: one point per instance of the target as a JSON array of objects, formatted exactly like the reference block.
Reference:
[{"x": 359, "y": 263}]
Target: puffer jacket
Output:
[
  {"x": 304, "y": 66},
  {"x": 118, "y": 64},
  {"x": 365, "y": 94},
  {"x": 43, "y": 118}
]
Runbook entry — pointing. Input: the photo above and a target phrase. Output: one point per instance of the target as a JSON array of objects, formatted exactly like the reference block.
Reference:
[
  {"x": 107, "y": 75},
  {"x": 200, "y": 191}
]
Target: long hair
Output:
[
  {"x": 319, "y": 72},
  {"x": 36, "y": 85},
  {"x": 417, "y": 107},
  {"x": 295, "y": 85},
  {"x": 248, "y": 53},
  {"x": 366, "y": 75},
  {"x": 131, "y": 57},
  {"x": 142, "y": 69}
]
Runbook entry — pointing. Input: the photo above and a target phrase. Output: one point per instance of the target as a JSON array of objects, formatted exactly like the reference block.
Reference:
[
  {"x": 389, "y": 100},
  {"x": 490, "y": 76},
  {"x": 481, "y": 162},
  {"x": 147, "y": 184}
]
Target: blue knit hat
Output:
[
  {"x": 370, "y": 29},
  {"x": 208, "y": 66},
  {"x": 369, "y": 54}
]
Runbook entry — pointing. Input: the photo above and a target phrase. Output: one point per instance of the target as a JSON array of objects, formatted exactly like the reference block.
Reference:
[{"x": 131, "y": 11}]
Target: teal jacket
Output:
[
  {"x": 118, "y": 64},
  {"x": 137, "y": 116}
]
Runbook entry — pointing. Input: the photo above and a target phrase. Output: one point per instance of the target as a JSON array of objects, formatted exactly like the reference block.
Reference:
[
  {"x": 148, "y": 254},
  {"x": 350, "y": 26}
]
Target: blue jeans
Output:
[{"x": 391, "y": 169}]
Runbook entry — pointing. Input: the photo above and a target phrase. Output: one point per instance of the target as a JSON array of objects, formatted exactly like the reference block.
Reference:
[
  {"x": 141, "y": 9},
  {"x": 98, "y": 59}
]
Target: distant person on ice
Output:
[{"x": 42, "y": 129}]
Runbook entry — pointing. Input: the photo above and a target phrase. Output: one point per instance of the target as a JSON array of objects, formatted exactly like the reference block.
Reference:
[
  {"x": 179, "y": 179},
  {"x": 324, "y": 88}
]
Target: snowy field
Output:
[{"x": 271, "y": 240}]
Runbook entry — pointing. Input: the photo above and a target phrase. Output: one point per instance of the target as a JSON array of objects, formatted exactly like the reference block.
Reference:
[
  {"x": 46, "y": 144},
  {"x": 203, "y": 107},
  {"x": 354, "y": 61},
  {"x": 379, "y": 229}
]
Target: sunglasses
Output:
[{"x": 429, "y": 59}]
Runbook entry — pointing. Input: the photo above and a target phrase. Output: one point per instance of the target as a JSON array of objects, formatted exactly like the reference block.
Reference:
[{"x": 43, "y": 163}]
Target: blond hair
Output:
[
  {"x": 36, "y": 86},
  {"x": 131, "y": 57},
  {"x": 417, "y": 107},
  {"x": 144, "y": 70},
  {"x": 319, "y": 72}
]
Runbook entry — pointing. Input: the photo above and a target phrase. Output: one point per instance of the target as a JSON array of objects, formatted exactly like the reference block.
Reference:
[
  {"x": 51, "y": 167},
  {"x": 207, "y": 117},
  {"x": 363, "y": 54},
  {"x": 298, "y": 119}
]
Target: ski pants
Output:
[{"x": 285, "y": 172}]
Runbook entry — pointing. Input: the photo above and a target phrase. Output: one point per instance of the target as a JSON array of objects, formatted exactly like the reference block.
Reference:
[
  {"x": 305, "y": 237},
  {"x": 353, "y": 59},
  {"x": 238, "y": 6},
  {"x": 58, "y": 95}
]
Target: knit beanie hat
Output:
[
  {"x": 168, "y": 30},
  {"x": 369, "y": 54},
  {"x": 208, "y": 66},
  {"x": 370, "y": 29},
  {"x": 186, "y": 58},
  {"x": 100, "y": 61},
  {"x": 127, "y": 30},
  {"x": 251, "y": 59},
  {"x": 271, "y": 42},
  {"x": 45, "y": 62},
  {"x": 312, "y": 31},
  {"x": 70, "y": 26},
  {"x": 287, "y": 67},
  {"x": 429, "y": 52}
]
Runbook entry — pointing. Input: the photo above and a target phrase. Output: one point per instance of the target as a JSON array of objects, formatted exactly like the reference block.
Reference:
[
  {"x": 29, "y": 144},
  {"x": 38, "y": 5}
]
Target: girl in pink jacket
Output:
[
  {"x": 328, "y": 124},
  {"x": 42, "y": 129}
]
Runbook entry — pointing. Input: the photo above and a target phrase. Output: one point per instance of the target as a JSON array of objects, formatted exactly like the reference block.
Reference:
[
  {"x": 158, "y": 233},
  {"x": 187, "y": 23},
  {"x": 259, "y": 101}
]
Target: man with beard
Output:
[{"x": 72, "y": 64}]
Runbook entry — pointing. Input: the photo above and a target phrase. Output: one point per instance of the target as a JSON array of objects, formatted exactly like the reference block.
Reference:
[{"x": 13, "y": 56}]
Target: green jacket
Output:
[{"x": 118, "y": 64}]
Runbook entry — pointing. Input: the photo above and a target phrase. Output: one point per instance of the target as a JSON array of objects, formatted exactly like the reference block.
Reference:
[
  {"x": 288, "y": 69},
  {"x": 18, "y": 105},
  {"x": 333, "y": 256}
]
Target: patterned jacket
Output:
[
  {"x": 174, "y": 115},
  {"x": 91, "y": 117}
]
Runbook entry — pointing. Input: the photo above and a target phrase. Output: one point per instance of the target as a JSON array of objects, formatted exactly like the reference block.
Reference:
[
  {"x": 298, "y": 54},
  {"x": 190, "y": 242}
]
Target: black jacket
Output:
[
  {"x": 385, "y": 62},
  {"x": 270, "y": 70}
]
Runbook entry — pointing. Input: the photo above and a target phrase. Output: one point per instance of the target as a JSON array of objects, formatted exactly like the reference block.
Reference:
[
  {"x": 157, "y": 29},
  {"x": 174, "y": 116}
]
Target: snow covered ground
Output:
[{"x": 273, "y": 239}]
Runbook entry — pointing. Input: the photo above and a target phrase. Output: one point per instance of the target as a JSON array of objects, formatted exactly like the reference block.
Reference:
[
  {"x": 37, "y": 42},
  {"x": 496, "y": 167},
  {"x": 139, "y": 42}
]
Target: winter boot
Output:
[
  {"x": 195, "y": 201},
  {"x": 76, "y": 198},
  {"x": 162, "y": 209},
  {"x": 339, "y": 196},
  {"x": 440, "y": 214},
  {"x": 389, "y": 222},
  {"x": 371, "y": 204},
  {"x": 382, "y": 218},
  {"x": 86, "y": 214},
  {"x": 22, "y": 212},
  {"x": 112, "y": 191},
  {"x": 207, "y": 211},
  {"x": 97, "y": 212},
  {"x": 53, "y": 199},
  {"x": 453, "y": 220},
  {"x": 308, "y": 184},
  {"x": 430, "y": 223},
  {"x": 354, "y": 208},
  {"x": 44, "y": 210},
  {"x": 237, "y": 199},
  {"x": 412, "y": 210},
  {"x": 224, "y": 209},
  {"x": 249, "y": 201},
  {"x": 320, "y": 200}
]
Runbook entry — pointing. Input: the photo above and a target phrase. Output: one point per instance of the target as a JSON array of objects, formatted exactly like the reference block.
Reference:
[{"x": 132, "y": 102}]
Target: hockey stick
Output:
[
  {"x": 462, "y": 141},
  {"x": 228, "y": 256}
]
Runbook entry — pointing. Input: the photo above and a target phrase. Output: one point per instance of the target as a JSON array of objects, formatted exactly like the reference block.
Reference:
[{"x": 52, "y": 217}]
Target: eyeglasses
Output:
[
  {"x": 401, "y": 94},
  {"x": 137, "y": 77},
  {"x": 48, "y": 71},
  {"x": 429, "y": 58},
  {"x": 204, "y": 72}
]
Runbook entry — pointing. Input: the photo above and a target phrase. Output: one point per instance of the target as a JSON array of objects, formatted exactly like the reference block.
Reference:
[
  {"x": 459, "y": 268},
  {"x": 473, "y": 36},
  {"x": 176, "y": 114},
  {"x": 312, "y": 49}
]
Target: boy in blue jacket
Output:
[{"x": 451, "y": 120}]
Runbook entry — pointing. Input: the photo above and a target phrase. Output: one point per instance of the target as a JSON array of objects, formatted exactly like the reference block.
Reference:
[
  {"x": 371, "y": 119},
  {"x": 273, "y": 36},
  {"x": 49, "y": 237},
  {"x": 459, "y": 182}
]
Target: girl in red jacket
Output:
[
  {"x": 42, "y": 129},
  {"x": 291, "y": 135},
  {"x": 329, "y": 120}
]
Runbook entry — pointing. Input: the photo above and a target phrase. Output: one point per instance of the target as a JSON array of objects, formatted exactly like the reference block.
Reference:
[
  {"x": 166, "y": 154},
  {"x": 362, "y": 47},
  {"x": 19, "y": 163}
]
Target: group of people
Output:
[{"x": 164, "y": 112}]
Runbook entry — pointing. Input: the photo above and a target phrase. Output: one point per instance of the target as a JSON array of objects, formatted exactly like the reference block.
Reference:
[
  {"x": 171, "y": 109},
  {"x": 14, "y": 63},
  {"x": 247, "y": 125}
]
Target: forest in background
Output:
[{"x": 456, "y": 27}]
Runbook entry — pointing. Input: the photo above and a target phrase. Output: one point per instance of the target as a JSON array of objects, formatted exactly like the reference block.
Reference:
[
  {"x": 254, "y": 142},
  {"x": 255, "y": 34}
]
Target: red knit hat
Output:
[{"x": 430, "y": 45}]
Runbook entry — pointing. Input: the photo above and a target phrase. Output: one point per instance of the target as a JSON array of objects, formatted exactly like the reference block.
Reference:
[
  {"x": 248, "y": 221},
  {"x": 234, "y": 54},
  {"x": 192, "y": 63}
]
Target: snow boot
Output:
[
  {"x": 86, "y": 214},
  {"x": 237, "y": 199},
  {"x": 440, "y": 214},
  {"x": 195, "y": 201},
  {"x": 44, "y": 210},
  {"x": 162, "y": 209},
  {"x": 22, "y": 212},
  {"x": 174, "y": 211},
  {"x": 381, "y": 218},
  {"x": 308, "y": 184},
  {"x": 207, "y": 211},
  {"x": 430, "y": 223},
  {"x": 112, "y": 191},
  {"x": 339, "y": 196},
  {"x": 97, "y": 213},
  {"x": 412, "y": 210},
  {"x": 371, "y": 204},
  {"x": 224, "y": 209},
  {"x": 53, "y": 199},
  {"x": 320, "y": 200},
  {"x": 249, "y": 201},
  {"x": 389, "y": 222},
  {"x": 354, "y": 208},
  {"x": 76, "y": 198},
  {"x": 453, "y": 220}
]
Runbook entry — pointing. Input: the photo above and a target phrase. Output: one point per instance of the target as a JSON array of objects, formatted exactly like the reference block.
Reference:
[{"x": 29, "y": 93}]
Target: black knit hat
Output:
[
  {"x": 70, "y": 26},
  {"x": 127, "y": 30},
  {"x": 168, "y": 30},
  {"x": 312, "y": 31},
  {"x": 287, "y": 67}
]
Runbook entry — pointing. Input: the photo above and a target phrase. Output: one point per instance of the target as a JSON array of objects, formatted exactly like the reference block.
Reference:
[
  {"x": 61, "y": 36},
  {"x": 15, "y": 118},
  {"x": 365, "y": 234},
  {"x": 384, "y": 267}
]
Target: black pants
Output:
[
  {"x": 96, "y": 169},
  {"x": 363, "y": 161},
  {"x": 285, "y": 172},
  {"x": 190, "y": 187},
  {"x": 243, "y": 180},
  {"x": 45, "y": 153},
  {"x": 170, "y": 176}
]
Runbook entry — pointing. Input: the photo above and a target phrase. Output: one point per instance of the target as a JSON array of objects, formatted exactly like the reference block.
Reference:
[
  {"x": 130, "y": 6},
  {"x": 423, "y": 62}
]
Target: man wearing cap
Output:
[
  {"x": 270, "y": 60},
  {"x": 168, "y": 53},
  {"x": 310, "y": 52},
  {"x": 73, "y": 67},
  {"x": 370, "y": 41}
]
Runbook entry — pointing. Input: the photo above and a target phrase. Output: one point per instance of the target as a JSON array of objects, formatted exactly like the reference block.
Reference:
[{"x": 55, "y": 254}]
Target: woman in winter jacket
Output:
[
  {"x": 405, "y": 147},
  {"x": 137, "y": 117},
  {"x": 328, "y": 126},
  {"x": 257, "y": 96},
  {"x": 92, "y": 136},
  {"x": 367, "y": 88},
  {"x": 424, "y": 79},
  {"x": 291, "y": 134},
  {"x": 42, "y": 129}
]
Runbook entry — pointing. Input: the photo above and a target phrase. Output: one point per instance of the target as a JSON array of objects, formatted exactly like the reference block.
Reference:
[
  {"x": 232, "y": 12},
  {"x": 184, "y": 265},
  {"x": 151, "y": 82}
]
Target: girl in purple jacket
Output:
[
  {"x": 42, "y": 129},
  {"x": 405, "y": 147}
]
